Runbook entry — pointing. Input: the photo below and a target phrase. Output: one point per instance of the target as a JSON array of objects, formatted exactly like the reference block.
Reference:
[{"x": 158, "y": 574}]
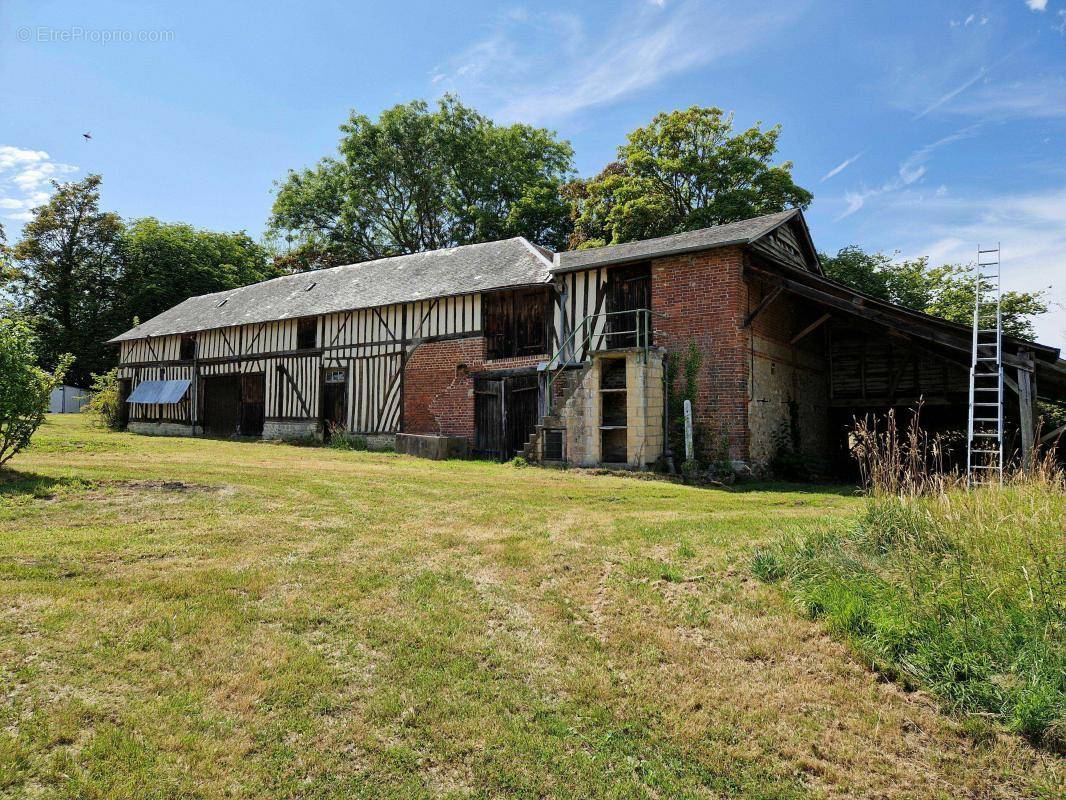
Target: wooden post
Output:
[
  {"x": 688, "y": 430},
  {"x": 1025, "y": 406}
]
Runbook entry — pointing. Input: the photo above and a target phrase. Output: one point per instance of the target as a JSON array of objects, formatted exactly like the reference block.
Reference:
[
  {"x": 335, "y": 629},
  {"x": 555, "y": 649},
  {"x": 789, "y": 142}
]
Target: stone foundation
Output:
[
  {"x": 379, "y": 441},
  {"x": 161, "y": 428},
  {"x": 438, "y": 448},
  {"x": 292, "y": 429}
]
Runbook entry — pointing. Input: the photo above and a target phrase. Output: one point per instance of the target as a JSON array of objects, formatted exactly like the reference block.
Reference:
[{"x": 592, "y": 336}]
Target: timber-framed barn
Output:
[{"x": 504, "y": 348}]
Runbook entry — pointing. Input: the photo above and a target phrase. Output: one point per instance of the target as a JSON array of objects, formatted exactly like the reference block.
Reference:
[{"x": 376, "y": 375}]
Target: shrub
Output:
[
  {"x": 341, "y": 439},
  {"x": 24, "y": 387},
  {"x": 104, "y": 401}
]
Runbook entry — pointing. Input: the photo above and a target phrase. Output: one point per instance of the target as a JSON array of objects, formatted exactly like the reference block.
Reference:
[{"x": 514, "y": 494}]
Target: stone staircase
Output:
[{"x": 569, "y": 381}]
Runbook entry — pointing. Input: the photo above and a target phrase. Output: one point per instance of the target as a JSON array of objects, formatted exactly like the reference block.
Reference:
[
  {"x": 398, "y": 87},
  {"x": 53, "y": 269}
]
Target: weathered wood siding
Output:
[
  {"x": 370, "y": 343},
  {"x": 582, "y": 294}
]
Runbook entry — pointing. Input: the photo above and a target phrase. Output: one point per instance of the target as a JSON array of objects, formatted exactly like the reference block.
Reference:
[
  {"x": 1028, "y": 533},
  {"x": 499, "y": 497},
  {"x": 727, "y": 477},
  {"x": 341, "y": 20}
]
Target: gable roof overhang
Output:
[
  {"x": 949, "y": 338},
  {"x": 744, "y": 232}
]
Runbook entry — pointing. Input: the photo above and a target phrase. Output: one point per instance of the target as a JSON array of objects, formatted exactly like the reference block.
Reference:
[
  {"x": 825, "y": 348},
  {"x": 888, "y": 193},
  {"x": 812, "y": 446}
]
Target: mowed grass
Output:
[{"x": 188, "y": 618}]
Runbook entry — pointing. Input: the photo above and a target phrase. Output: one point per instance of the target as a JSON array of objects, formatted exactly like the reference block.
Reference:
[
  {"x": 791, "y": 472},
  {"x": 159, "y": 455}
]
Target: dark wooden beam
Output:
[
  {"x": 777, "y": 290},
  {"x": 810, "y": 328},
  {"x": 1047, "y": 437}
]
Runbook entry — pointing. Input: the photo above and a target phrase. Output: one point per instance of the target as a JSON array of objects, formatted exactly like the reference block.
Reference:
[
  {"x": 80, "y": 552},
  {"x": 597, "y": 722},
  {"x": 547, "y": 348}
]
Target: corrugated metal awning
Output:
[{"x": 159, "y": 392}]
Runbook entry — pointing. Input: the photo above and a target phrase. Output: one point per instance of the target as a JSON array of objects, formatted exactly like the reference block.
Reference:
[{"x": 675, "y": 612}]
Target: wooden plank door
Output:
[
  {"x": 628, "y": 289},
  {"x": 489, "y": 417}
]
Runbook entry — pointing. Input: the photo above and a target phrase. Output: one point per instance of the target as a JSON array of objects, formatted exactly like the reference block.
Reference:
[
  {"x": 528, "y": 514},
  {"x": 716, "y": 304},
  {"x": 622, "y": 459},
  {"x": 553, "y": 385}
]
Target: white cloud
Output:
[
  {"x": 1036, "y": 5},
  {"x": 911, "y": 170},
  {"x": 24, "y": 180},
  {"x": 946, "y": 98},
  {"x": 1030, "y": 227},
  {"x": 539, "y": 67},
  {"x": 843, "y": 165}
]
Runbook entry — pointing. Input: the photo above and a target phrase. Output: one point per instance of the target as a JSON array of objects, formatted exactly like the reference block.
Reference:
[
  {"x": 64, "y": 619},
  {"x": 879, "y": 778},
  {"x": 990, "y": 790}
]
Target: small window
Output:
[
  {"x": 335, "y": 375},
  {"x": 306, "y": 333},
  {"x": 188, "y": 348}
]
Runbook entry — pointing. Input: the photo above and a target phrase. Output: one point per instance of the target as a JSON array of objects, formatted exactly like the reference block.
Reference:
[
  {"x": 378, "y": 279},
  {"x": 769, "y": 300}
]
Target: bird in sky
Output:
[{"x": 87, "y": 136}]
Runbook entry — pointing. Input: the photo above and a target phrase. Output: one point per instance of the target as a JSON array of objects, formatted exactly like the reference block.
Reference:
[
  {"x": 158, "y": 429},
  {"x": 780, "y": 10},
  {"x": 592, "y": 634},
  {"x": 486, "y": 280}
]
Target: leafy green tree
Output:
[
  {"x": 686, "y": 170},
  {"x": 946, "y": 291},
  {"x": 420, "y": 179},
  {"x": 166, "y": 263},
  {"x": 66, "y": 267},
  {"x": 24, "y": 387}
]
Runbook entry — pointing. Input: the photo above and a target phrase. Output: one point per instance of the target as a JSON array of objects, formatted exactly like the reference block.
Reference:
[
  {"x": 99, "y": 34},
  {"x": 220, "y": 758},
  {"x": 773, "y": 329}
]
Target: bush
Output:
[
  {"x": 24, "y": 387},
  {"x": 104, "y": 401},
  {"x": 341, "y": 439}
]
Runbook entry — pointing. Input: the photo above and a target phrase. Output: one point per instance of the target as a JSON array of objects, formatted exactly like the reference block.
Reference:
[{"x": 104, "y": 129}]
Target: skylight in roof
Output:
[
  {"x": 222, "y": 302},
  {"x": 310, "y": 286}
]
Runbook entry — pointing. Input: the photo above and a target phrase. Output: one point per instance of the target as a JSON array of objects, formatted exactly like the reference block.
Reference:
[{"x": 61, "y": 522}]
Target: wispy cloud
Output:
[
  {"x": 537, "y": 67},
  {"x": 946, "y": 98},
  {"x": 911, "y": 170},
  {"x": 24, "y": 176},
  {"x": 843, "y": 165},
  {"x": 1037, "y": 5}
]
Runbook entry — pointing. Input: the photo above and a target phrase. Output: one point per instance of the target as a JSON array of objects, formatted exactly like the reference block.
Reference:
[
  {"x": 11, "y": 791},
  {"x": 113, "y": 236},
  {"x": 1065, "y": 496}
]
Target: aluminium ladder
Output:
[{"x": 984, "y": 442}]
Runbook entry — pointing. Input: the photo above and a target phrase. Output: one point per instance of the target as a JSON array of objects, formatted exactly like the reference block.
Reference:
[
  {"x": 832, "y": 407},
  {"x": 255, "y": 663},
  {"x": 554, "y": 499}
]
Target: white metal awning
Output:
[{"x": 159, "y": 392}]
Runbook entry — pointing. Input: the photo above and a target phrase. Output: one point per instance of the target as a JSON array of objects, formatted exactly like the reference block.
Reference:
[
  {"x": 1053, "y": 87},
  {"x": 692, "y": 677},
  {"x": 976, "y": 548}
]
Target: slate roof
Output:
[
  {"x": 743, "y": 232},
  {"x": 400, "y": 279}
]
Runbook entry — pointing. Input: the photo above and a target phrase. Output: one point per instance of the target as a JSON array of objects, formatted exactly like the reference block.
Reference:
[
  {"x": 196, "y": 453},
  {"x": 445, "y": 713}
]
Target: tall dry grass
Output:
[{"x": 959, "y": 589}]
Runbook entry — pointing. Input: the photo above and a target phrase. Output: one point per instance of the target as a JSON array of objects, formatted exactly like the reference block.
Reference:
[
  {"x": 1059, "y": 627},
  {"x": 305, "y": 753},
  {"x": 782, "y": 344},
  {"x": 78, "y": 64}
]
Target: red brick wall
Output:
[
  {"x": 439, "y": 385},
  {"x": 705, "y": 300}
]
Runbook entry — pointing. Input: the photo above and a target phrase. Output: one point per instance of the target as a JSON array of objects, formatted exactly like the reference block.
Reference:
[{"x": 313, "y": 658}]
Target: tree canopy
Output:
[
  {"x": 685, "y": 170},
  {"x": 165, "y": 263},
  {"x": 80, "y": 275},
  {"x": 66, "y": 265},
  {"x": 946, "y": 291},
  {"x": 420, "y": 179}
]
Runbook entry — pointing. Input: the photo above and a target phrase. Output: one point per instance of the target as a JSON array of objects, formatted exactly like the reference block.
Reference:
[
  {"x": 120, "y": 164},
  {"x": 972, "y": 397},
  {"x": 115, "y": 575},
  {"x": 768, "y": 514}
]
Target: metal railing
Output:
[{"x": 589, "y": 329}]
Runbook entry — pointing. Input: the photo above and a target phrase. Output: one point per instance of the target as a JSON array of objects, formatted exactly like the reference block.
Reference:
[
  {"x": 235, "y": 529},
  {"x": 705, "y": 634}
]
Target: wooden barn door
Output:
[
  {"x": 505, "y": 414},
  {"x": 488, "y": 417},
  {"x": 253, "y": 403},
  {"x": 222, "y": 401},
  {"x": 125, "y": 387},
  {"x": 628, "y": 289},
  {"x": 334, "y": 401}
]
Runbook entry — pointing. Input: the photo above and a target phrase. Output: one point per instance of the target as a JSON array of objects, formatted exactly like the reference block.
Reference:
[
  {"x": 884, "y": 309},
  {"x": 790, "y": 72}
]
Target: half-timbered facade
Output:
[{"x": 507, "y": 348}]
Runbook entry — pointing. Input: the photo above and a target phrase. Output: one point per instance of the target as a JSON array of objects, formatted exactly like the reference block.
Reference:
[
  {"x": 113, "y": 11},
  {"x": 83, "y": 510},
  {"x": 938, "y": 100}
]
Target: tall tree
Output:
[
  {"x": 420, "y": 179},
  {"x": 165, "y": 263},
  {"x": 66, "y": 267},
  {"x": 685, "y": 170},
  {"x": 946, "y": 291}
]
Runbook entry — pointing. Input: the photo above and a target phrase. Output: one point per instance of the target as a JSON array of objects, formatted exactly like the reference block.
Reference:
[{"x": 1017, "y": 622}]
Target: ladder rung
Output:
[
  {"x": 986, "y": 435},
  {"x": 993, "y": 452},
  {"x": 995, "y": 250},
  {"x": 987, "y": 358},
  {"x": 993, "y": 405},
  {"x": 987, "y": 419}
]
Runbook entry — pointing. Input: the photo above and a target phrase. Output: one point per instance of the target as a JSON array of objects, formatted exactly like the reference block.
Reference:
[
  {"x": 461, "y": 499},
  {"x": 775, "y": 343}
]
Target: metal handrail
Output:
[{"x": 643, "y": 326}]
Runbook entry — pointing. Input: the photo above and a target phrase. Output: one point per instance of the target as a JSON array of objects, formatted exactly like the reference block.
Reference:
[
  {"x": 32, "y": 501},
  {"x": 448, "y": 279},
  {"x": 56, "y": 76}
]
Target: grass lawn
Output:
[{"x": 185, "y": 618}]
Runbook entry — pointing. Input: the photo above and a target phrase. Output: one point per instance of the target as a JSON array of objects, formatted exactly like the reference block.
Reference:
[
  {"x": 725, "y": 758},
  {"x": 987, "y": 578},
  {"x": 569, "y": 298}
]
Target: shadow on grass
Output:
[{"x": 22, "y": 484}]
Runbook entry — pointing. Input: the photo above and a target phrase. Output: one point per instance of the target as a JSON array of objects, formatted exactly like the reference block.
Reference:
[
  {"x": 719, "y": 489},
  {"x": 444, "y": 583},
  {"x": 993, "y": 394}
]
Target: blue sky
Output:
[{"x": 922, "y": 127}]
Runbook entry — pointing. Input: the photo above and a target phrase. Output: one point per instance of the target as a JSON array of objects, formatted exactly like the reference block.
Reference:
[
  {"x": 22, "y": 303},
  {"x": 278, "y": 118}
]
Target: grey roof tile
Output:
[
  {"x": 400, "y": 279},
  {"x": 742, "y": 232}
]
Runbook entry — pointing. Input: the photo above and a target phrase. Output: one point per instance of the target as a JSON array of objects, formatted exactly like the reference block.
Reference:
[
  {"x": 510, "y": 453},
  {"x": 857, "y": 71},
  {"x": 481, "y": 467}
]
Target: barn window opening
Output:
[
  {"x": 188, "y": 348},
  {"x": 306, "y": 332},
  {"x": 516, "y": 322}
]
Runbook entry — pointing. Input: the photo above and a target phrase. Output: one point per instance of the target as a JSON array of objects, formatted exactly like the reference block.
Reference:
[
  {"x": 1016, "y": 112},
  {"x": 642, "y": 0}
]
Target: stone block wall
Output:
[{"x": 292, "y": 429}]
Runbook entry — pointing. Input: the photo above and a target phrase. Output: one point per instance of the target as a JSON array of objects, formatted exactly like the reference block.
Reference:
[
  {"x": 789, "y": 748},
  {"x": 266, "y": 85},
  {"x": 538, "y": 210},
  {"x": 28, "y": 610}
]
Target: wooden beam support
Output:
[
  {"x": 810, "y": 328},
  {"x": 1053, "y": 435},
  {"x": 777, "y": 290},
  {"x": 1025, "y": 405}
]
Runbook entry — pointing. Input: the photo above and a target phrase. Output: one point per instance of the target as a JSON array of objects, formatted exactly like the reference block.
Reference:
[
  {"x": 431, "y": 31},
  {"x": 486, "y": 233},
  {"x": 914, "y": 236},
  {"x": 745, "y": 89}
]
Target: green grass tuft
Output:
[{"x": 960, "y": 592}]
